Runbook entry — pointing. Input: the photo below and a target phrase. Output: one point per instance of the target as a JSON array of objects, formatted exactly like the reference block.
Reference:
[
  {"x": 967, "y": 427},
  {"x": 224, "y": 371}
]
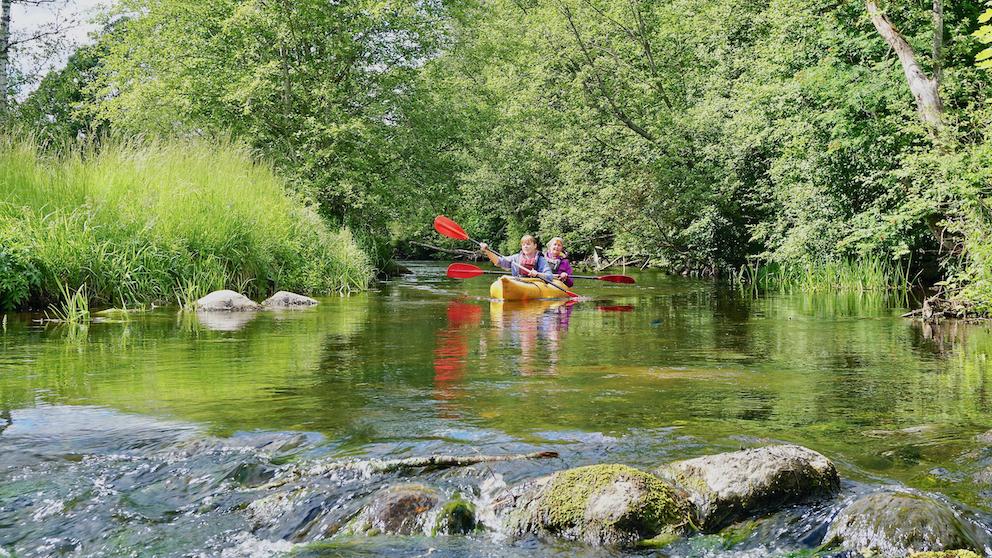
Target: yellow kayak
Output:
[{"x": 517, "y": 288}]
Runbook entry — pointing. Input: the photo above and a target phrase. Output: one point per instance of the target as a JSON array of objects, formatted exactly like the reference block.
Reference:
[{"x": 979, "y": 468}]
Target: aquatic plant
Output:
[
  {"x": 159, "y": 222},
  {"x": 74, "y": 307},
  {"x": 863, "y": 275}
]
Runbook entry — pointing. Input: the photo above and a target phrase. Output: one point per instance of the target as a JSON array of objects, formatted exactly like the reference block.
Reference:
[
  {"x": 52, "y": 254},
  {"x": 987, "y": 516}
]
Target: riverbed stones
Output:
[
  {"x": 726, "y": 487},
  {"x": 401, "y": 509},
  {"x": 286, "y": 299},
  {"x": 945, "y": 554},
  {"x": 226, "y": 301},
  {"x": 896, "y": 524},
  {"x": 609, "y": 504}
]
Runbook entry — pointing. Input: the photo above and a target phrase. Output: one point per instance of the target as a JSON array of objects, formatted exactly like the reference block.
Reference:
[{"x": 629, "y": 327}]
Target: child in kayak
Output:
[
  {"x": 529, "y": 262},
  {"x": 558, "y": 261}
]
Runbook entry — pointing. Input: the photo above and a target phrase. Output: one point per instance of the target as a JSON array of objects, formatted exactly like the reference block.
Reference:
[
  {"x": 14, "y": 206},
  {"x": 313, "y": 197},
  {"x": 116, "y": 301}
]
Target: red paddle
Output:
[
  {"x": 468, "y": 271},
  {"x": 451, "y": 229}
]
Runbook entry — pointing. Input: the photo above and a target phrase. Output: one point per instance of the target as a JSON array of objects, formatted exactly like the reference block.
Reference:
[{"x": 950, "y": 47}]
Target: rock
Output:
[
  {"x": 895, "y": 524},
  {"x": 945, "y": 554},
  {"x": 457, "y": 517},
  {"x": 226, "y": 301},
  {"x": 985, "y": 438},
  {"x": 730, "y": 486},
  {"x": 984, "y": 476},
  {"x": 396, "y": 510},
  {"x": 285, "y": 299},
  {"x": 612, "y": 505}
]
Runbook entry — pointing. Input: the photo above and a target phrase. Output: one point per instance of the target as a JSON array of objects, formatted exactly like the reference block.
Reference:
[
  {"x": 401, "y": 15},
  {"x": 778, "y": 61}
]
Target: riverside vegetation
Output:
[
  {"x": 697, "y": 135},
  {"x": 163, "y": 222}
]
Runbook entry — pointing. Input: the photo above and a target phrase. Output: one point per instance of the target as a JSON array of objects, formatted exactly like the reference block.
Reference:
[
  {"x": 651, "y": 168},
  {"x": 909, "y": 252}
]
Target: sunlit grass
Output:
[
  {"x": 159, "y": 222},
  {"x": 866, "y": 275}
]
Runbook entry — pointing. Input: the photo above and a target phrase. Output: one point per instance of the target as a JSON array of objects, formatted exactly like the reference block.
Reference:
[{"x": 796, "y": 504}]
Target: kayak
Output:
[{"x": 524, "y": 288}]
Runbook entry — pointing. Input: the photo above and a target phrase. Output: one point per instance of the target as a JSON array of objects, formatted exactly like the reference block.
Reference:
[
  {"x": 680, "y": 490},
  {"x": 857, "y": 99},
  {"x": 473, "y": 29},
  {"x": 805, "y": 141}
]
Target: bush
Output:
[{"x": 157, "y": 222}]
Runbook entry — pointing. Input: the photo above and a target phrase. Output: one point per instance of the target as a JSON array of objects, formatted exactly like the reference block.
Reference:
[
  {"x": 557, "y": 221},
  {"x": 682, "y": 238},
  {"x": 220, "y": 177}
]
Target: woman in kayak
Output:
[
  {"x": 558, "y": 261},
  {"x": 529, "y": 262}
]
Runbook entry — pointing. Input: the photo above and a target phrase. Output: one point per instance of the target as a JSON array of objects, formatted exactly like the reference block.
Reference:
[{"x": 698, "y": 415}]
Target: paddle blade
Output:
[
  {"x": 463, "y": 271},
  {"x": 617, "y": 279},
  {"x": 449, "y": 228}
]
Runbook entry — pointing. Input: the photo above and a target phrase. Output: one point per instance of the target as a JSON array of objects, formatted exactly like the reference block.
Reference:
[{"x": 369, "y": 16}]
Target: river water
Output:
[{"x": 162, "y": 434}]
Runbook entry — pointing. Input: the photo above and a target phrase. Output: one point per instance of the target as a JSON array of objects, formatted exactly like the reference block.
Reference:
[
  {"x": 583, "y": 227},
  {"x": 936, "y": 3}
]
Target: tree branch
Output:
[
  {"x": 924, "y": 90},
  {"x": 615, "y": 109}
]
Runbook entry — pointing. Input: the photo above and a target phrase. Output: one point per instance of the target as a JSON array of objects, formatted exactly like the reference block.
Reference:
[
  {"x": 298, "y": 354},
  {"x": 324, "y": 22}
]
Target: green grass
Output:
[
  {"x": 160, "y": 223},
  {"x": 864, "y": 275}
]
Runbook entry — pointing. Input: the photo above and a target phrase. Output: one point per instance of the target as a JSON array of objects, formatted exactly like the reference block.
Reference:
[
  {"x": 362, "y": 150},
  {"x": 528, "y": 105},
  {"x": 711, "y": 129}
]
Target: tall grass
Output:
[
  {"x": 863, "y": 275},
  {"x": 157, "y": 222}
]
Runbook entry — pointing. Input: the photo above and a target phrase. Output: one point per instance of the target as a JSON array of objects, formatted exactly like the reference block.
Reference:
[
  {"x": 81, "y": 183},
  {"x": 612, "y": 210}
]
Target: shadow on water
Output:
[{"x": 163, "y": 433}]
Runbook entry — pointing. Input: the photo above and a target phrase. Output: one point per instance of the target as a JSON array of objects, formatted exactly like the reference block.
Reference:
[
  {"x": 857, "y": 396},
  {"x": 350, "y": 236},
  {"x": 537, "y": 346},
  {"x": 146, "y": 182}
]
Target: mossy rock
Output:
[
  {"x": 728, "y": 487},
  {"x": 896, "y": 524},
  {"x": 457, "y": 517},
  {"x": 613, "y": 505},
  {"x": 946, "y": 554}
]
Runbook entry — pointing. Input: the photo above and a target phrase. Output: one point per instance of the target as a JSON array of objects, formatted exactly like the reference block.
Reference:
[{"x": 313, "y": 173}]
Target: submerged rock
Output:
[
  {"x": 598, "y": 505},
  {"x": 285, "y": 299},
  {"x": 397, "y": 510},
  {"x": 730, "y": 486},
  {"x": 895, "y": 524},
  {"x": 946, "y": 554},
  {"x": 226, "y": 301},
  {"x": 457, "y": 517}
]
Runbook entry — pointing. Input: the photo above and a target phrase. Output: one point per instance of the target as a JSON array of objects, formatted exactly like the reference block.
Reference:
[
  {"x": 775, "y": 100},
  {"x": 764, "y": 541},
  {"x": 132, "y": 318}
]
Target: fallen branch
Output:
[
  {"x": 470, "y": 254},
  {"x": 435, "y": 462},
  {"x": 381, "y": 466}
]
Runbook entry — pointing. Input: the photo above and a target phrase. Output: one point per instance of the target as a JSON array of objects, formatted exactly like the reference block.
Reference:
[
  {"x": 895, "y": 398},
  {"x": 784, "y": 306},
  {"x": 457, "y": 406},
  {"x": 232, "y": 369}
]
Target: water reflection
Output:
[
  {"x": 452, "y": 348},
  {"x": 536, "y": 329}
]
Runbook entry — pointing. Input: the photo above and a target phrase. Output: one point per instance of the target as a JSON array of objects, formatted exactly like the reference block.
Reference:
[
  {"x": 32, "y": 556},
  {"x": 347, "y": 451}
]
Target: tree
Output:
[
  {"x": 10, "y": 42},
  {"x": 925, "y": 89}
]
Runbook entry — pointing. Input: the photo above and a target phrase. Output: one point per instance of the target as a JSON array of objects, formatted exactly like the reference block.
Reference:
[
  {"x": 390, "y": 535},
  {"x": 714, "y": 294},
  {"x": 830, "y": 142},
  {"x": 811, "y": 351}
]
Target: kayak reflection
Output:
[
  {"x": 530, "y": 324},
  {"x": 451, "y": 350}
]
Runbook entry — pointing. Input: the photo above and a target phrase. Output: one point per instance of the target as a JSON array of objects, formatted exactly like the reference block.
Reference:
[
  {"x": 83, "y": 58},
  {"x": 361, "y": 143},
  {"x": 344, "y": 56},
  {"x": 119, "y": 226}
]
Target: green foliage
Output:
[
  {"x": 158, "y": 222},
  {"x": 696, "y": 134},
  {"x": 326, "y": 90},
  {"x": 984, "y": 34},
  {"x": 869, "y": 274}
]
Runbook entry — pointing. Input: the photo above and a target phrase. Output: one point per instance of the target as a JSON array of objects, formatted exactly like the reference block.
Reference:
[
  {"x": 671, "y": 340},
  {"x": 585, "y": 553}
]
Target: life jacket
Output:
[
  {"x": 528, "y": 263},
  {"x": 555, "y": 263}
]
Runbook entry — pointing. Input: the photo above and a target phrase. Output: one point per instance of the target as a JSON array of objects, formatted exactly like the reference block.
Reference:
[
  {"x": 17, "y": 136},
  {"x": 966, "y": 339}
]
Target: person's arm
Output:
[
  {"x": 566, "y": 268},
  {"x": 497, "y": 261}
]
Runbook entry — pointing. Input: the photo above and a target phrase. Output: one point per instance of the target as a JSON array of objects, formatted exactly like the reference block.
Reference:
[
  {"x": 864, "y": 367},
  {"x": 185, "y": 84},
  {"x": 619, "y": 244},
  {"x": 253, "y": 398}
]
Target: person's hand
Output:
[
  {"x": 483, "y": 246},
  {"x": 563, "y": 276},
  {"x": 532, "y": 272}
]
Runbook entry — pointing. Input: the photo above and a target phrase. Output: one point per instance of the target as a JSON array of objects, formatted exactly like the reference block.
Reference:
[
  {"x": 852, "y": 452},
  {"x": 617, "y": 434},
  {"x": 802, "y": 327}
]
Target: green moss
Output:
[
  {"x": 946, "y": 554},
  {"x": 457, "y": 517},
  {"x": 568, "y": 496},
  {"x": 661, "y": 540},
  {"x": 738, "y": 533}
]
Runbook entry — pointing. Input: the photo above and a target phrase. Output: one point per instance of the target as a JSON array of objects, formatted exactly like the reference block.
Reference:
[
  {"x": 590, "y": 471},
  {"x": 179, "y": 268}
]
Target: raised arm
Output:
[{"x": 497, "y": 261}]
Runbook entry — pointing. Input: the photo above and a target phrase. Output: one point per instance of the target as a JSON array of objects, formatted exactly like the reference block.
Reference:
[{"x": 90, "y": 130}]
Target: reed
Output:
[
  {"x": 155, "y": 222},
  {"x": 869, "y": 274}
]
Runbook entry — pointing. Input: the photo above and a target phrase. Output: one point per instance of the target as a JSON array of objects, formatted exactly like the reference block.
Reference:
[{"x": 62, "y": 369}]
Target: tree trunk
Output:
[
  {"x": 4, "y": 51},
  {"x": 924, "y": 89}
]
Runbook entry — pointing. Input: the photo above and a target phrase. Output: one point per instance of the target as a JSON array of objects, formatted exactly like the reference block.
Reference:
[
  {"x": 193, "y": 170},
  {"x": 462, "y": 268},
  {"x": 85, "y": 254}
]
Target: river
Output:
[{"x": 160, "y": 434}]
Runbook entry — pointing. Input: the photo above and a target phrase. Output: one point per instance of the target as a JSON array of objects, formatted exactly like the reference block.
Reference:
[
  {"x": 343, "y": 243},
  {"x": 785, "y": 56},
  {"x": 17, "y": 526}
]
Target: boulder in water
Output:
[
  {"x": 457, "y": 517},
  {"x": 612, "y": 505},
  {"x": 896, "y": 524},
  {"x": 286, "y": 299},
  {"x": 727, "y": 487},
  {"x": 397, "y": 510},
  {"x": 226, "y": 301}
]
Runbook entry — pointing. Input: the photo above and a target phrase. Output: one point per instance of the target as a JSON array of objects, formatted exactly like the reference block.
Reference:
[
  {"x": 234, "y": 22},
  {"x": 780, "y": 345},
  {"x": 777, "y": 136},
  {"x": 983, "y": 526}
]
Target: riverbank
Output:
[{"x": 138, "y": 223}]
